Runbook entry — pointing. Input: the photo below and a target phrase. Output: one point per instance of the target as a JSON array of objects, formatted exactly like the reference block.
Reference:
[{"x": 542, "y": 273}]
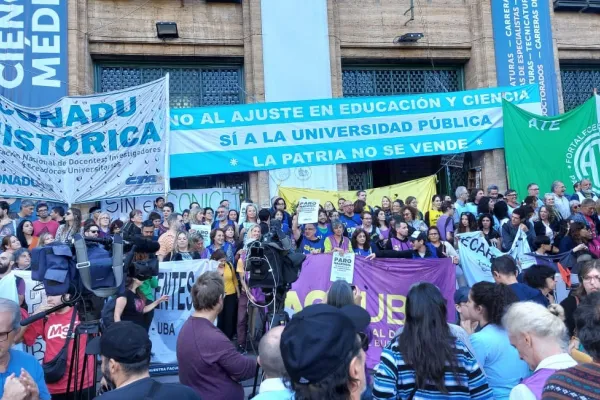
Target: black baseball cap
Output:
[
  {"x": 123, "y": 341},
  {"x": 418, "y": 235},
  {"x": 318, "y": 340}
]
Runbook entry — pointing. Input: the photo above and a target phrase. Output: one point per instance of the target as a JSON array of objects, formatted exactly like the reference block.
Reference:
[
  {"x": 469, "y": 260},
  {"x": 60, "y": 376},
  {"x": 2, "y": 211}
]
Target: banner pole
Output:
[{"x": 168, "y": 139}]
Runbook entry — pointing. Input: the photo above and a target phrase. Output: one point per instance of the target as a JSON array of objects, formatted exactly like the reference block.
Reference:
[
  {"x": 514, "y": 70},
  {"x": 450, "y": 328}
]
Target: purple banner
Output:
[{"x": 384, "y": 284}]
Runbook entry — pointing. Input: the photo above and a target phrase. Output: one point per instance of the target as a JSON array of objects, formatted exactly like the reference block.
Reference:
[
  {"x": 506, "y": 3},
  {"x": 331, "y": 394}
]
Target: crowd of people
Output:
[{"x": 514, "y": 338}]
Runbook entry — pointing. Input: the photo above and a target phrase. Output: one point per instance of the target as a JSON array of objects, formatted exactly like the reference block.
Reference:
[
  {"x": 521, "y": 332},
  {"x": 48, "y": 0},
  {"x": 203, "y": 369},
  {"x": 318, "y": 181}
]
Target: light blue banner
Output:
[
  {"x": 33, "y": 51},
  {"x": 303, "y": 133},
  {"x": 524, "y": 48}
]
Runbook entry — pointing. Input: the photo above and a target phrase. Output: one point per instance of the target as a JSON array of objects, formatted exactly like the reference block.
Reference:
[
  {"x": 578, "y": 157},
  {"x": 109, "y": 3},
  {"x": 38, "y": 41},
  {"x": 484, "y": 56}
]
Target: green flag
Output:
[{"x": 542, "y": 149}]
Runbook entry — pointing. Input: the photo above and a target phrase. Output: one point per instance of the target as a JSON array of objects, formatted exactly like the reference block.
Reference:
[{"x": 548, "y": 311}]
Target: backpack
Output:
[{"x": 55, "y": 267}]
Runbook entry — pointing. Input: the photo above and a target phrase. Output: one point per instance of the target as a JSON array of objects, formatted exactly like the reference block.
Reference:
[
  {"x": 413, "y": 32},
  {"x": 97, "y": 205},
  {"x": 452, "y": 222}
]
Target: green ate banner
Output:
[{"x": 543, "y": 149}]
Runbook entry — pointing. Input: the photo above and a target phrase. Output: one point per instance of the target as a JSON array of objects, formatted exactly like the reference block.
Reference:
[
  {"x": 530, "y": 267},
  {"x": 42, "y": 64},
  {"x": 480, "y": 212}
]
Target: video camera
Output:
[
  {"x": 91, "y": 265},
  {"x": 270, "y": 262}
]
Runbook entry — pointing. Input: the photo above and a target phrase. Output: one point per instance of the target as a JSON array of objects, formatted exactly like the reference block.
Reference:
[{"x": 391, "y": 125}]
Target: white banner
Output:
[
  {"x": 82, "y": 149},
  {"x": 308, "y": 211},
  {"x": 181, "y": 199},
  {"x": 476, "y": 255},
  {"x": 175, "y": 279}
]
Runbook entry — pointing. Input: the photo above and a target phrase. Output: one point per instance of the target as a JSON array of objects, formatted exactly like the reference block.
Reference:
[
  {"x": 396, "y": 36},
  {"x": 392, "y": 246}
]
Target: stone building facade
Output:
[{"x": 218, "y": 59}]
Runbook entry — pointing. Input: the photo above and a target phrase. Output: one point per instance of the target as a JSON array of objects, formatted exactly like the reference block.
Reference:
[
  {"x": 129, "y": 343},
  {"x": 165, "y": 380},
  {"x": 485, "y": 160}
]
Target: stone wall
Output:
[{"x": 361, "y": 31}]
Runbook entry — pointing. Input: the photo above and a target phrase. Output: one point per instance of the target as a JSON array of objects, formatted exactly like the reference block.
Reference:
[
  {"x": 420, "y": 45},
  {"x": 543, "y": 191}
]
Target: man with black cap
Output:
[
  {"x": 322, "y": 352},
  {"x": 125, "y": 349}
]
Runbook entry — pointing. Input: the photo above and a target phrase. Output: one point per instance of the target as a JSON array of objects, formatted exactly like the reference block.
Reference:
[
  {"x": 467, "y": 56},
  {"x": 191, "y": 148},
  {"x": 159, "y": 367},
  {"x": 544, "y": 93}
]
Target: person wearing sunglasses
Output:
[
  {"x": 574, "y": 205},
  {"x": 71, "y": 227},
  {"x": 91, "y": 230}
]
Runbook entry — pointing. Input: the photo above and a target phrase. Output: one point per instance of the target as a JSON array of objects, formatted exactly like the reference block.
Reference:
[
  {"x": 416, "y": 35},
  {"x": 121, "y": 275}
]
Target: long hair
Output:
[
  {"x": 176, "y": 246},
  {"x": 21, "y": 234},
  {"x": 501, "y": 210},
  {"x": 575, "y": 231},
  {"x": 75, "y": 225},
  {"x": 494, "y": 298},
  {"x": 354, "y": 240},
  {"x": 426, "y": 343},
  {"x": 378, "y": 223},
  {"x": 484, "y": 205},
  {"x": 472, "y": 223},
  {"x": 480, "y": 220},
  {"x": 138, "y": 292}
]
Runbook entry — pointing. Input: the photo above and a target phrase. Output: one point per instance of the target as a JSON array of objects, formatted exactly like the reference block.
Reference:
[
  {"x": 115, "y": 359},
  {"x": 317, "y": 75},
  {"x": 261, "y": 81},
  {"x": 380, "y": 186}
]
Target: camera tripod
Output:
[
  {"x": 276, "y": 316},
  {"x": 88, "y": 327}
]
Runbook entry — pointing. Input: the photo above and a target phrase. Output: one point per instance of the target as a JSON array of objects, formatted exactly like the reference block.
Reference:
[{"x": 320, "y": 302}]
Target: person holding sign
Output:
[
  {"x": 337, "y": 242},
  {"x": 307, "y": 241},
  {"x": 361, "y": 243}
]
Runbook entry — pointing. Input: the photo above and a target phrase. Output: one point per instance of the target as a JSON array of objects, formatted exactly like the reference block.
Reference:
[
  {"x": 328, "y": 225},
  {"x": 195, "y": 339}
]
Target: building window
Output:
[
  {"x": 357, "y": 81},
  {"x": 189, "y": 86},
  {"x": 578, "y": 85}
]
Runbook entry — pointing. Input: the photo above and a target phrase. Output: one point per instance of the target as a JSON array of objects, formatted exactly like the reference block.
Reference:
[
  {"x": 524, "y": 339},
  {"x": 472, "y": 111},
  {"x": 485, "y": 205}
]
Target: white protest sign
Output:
[
  {"x": 342, "y": 267},
  {"x": 86, "y": 148},
  {"x": 242, "y": 218},
  {"x": 33, "y": 298},
  {"x": 181, "y": 199},
  {"x": 175, "y": 280},
  {"x": 203, "y": 230},
  {"x": 308, "y": 211}
]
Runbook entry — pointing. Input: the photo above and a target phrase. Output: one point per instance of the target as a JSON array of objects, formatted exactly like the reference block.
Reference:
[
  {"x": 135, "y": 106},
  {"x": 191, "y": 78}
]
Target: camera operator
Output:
[
  {"x": 53, "y": 329},
  {"x": 145, "y": 242},
  {"x": 135, "y": 301}
]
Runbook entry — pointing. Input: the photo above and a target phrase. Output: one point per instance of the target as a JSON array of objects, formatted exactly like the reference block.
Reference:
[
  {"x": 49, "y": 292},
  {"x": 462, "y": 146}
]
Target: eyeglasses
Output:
[
  {"x": 535, "y": 188},
  {"x": 41, "y": 210},
  {"x": 589, "y": 279},
  {"x": 4, "y": 335},
  {"x": 93, "y": 231},
  {"x": 576, "y": 207}
]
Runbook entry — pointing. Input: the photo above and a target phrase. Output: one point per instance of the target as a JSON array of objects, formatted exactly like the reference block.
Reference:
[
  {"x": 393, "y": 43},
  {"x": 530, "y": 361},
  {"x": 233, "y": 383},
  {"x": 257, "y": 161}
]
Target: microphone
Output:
[{"x": 40, "y": 315}]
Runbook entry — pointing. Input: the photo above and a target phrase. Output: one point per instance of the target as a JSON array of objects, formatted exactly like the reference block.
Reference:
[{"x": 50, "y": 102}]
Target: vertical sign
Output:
[
  {"x": 524, "y": 49},
  {"x": 33, "y": 51}
]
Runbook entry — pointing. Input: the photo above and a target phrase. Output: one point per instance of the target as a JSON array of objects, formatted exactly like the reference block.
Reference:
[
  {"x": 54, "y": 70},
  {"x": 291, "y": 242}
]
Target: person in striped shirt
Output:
[{"x": 426, "y": 361}]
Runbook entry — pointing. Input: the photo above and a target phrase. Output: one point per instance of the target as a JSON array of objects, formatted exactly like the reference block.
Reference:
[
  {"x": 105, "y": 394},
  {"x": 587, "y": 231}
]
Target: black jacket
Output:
[{"x": 177, "y": 256}]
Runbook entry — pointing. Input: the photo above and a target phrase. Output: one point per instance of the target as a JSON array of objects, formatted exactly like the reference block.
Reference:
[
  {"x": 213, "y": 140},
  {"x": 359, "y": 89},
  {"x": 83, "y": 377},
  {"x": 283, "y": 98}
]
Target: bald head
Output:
[{"x": 269, "y": 354}]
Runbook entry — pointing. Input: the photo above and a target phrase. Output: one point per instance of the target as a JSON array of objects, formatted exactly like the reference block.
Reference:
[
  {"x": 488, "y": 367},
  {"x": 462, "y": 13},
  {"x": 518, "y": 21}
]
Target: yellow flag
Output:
[{"x": 423, "y": 189}]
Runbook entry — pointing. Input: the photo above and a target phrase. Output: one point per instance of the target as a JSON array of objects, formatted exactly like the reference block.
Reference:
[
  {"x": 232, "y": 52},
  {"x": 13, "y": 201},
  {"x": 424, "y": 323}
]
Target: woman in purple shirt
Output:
[{"x": 337, "y": 241}]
